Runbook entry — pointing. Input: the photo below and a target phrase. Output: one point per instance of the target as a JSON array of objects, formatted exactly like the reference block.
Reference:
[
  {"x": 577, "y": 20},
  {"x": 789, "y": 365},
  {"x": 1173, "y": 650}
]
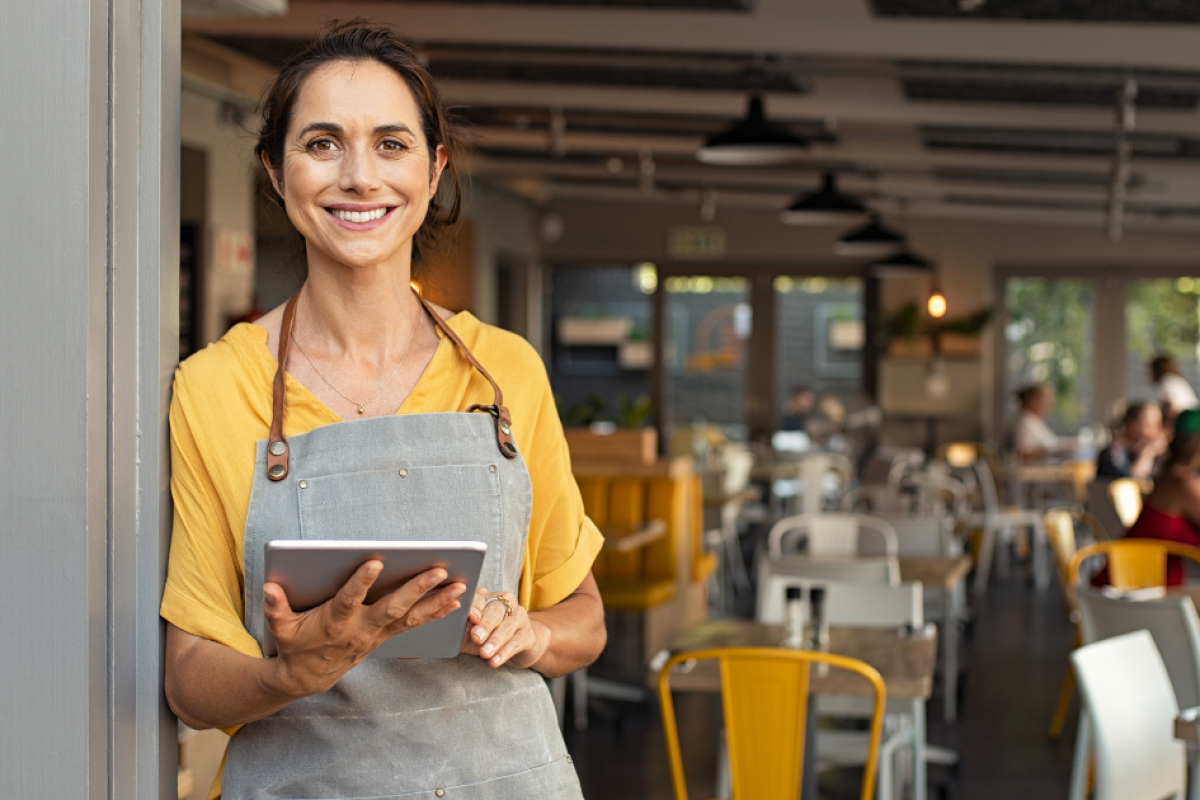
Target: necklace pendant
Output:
[{"x": 360, "y": 408}]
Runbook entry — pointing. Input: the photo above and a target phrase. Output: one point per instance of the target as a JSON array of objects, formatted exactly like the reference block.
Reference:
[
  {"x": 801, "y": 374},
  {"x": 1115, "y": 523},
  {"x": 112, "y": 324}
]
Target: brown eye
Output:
[
  {"x": 391, "y": 145},
  {"x": 321, "y": 145}
]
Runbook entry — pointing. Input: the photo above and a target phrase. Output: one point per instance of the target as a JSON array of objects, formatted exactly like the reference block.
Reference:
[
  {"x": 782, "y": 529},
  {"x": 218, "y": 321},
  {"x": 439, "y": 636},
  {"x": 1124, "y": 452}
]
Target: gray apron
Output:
[{"x": 452, "y": 728}]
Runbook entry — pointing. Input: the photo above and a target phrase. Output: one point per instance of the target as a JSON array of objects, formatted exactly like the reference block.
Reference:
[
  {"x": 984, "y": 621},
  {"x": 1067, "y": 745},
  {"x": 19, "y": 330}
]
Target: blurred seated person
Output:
[
  {"x": 1172, "y": 511},
  {"x": 1032, "y": 439},
  {"x": 1175, "y": 394},
  {"x": 1138, "y": 445},
  {"x": 799, "y": 404}
]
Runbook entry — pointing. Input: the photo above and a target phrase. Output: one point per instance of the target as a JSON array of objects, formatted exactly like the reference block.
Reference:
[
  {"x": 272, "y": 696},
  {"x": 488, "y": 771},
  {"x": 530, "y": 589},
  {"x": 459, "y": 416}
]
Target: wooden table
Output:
[
  {"x": 947, "y": 575},
  {"x": 906, "y": 665},
  {"x": 1075, "y": 473}
]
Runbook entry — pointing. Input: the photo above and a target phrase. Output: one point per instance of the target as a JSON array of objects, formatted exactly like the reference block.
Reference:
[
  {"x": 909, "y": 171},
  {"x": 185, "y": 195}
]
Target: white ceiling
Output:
[{"x": 854, "y": 63}]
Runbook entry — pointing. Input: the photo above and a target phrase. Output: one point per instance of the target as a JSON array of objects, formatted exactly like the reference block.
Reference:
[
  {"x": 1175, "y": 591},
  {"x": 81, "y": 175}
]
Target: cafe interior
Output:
[{"x": 849, "y": 308}]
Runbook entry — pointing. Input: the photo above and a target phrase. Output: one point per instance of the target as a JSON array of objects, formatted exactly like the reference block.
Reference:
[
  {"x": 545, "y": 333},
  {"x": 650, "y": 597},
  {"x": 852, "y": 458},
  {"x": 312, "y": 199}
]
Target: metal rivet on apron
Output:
[
  {"x": 276, "y": 471},
  {"x": 492, "y": 468},
  {"x": 440, "y": 792},
  {"x": 277, "y": 448},
  {"x": 403, "y": 473},
  {"x": 569, "y": 760},
  {"x": 303, "y": 484},
  {"x": 505, "y": 427}
]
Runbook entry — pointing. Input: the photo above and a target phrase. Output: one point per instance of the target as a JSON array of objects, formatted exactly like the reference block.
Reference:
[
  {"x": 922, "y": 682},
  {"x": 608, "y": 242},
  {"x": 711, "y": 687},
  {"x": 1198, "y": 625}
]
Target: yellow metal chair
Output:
[
  {"x": 1133, "y": 563},
  {"x": 1125, "y": 494},
  {"x": 1060, "y": 531},
  {"x": 765, "y": 698}
]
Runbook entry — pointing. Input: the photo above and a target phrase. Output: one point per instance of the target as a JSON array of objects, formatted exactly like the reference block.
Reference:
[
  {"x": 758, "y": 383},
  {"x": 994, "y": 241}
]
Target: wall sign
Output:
[{"x": 696, "y": 242}]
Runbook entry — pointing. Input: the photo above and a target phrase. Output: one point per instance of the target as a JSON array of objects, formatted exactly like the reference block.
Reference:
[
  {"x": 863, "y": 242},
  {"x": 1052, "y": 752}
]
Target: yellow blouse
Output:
[{"x": 222, "y": 406}]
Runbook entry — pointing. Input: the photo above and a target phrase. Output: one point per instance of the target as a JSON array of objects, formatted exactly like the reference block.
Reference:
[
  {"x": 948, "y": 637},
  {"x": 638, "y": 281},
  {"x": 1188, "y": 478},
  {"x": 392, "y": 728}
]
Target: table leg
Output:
[
  {"x": 1083, "y": 752},
  {"x": 724, "y": 779},
  {"x": 1041, "y": 567},
  {"x": 952, "y": 613},
  {"x": 808, "y": 779},
  {"x": 920, "y": 783}
]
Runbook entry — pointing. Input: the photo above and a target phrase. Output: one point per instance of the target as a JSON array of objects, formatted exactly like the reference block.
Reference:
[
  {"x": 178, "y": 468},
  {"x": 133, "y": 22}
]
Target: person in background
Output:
[
  {"x": 799, "y": 405},
  {"x": 1032, "y": 438},
  {"x": 1138, "y": 445},
  {"x": 1175, "y": 394},
  {"x": 1172, "y": 511}
]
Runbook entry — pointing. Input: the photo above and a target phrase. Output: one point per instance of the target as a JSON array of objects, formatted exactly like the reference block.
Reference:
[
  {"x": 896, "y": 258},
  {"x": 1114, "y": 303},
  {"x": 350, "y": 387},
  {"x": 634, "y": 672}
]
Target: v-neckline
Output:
[{"x": 418, "y": 387}]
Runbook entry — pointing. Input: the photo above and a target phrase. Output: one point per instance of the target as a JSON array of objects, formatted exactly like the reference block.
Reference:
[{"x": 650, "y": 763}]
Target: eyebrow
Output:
[{"x": 333, "y": 127}]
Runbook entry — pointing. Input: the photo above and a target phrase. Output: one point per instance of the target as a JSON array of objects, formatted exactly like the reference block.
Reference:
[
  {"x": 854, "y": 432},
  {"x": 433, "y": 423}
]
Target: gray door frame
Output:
[{"x": 88, "y": 339}]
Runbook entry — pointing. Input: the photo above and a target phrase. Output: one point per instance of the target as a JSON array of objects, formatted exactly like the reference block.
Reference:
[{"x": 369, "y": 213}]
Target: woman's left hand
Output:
[{"x": 501, "y": 631}]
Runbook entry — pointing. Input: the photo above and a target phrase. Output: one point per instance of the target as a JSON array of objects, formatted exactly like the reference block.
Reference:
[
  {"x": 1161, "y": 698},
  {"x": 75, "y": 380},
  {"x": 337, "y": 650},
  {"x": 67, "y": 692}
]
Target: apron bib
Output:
[{"x": 438, "y": 728}]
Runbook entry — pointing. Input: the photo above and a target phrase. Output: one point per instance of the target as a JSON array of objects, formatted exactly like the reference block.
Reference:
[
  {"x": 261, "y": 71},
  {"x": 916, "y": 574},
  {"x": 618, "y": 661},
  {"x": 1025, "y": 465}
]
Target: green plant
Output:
[
  {"x": 633, "y": 414},
  {"x": 592, "y": 409}
]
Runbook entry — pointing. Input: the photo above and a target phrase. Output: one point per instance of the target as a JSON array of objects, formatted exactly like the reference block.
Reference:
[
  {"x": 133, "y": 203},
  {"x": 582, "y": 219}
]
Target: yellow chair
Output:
[
  {"x": 1125, "y": 494},
  {"x": 1133, "y": 563},
  {"x": 1060, "y": 531},
  {"x": 764, "y": 694}
]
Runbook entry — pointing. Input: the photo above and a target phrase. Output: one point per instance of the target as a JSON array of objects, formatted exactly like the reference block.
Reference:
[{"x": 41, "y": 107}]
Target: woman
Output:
[
  {"x": 1135, "y": 451},
  {"x": 1032, "y": 438},
  {"x": 1172, "y": 511},
  {"x": 356, "y": 145}
]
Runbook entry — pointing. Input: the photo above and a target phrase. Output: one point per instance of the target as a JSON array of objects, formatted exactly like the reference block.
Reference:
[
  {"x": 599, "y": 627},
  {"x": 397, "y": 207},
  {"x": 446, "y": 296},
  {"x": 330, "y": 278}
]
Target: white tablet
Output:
[{"x": 312, "y": 572}]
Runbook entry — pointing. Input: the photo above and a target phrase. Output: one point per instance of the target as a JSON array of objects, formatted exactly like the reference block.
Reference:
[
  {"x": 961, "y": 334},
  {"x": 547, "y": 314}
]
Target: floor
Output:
[{"x": 1016, "y": 650}]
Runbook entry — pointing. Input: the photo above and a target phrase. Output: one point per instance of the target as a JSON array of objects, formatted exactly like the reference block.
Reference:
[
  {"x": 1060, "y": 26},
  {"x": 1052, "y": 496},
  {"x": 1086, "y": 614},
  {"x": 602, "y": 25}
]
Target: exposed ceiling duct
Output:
[{"x": 200, "y": 9}]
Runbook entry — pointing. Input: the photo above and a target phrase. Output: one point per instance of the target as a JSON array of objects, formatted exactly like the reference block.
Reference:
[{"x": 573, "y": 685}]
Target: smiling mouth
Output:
[{"x": 359, "y": 216}]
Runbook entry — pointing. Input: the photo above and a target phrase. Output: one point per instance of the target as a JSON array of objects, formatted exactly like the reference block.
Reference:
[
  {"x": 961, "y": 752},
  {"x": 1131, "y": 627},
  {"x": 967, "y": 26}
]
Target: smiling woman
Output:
[{"x": 356, "y": 145}]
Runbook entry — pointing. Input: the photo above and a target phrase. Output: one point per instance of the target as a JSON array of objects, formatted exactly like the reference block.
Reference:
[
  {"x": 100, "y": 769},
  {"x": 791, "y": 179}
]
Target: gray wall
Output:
[{"x": 88, "y": 222}]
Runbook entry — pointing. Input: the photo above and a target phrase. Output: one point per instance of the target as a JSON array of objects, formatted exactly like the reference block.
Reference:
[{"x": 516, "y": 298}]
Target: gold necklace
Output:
[{"x": 386, "y": 384}]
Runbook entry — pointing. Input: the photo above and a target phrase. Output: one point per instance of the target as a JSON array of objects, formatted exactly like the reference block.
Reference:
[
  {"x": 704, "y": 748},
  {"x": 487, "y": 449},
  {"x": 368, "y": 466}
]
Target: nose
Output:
[{"x": 359, "y": 172}]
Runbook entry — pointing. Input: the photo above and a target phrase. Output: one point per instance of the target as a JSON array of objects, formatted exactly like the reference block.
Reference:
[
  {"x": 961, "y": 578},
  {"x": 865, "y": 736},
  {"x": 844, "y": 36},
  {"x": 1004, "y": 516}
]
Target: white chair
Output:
[
  {"x": 1175, "y": 627},
  {"x": 846, "y": 602},
  {"x": 865, "y": 605},
  {"x": 836, "y": 535},
  {"x": 883, "y": 570},
  {"x": 808, "y": 480},
  {"x": 924, "y": 535},
  {"x": 876, "y": 498},
  {"x": 1130, "y": 710}
]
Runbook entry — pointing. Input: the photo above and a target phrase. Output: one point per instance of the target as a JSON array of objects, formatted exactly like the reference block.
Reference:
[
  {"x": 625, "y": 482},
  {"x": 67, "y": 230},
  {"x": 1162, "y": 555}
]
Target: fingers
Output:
[
  {"x": 490, "y": 618},
  {"x": 504, "y": 641},
  {"x": 396, "y": 605},
  {"x": 352, "y": 594},
  {"x": 398, "y": 616},
  {"x": 276, "y": 607}
]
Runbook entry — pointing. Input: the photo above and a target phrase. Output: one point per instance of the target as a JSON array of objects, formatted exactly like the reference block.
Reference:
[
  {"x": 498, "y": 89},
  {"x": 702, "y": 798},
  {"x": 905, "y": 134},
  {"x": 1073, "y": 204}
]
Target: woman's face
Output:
[{"x": 357, "y": 175}]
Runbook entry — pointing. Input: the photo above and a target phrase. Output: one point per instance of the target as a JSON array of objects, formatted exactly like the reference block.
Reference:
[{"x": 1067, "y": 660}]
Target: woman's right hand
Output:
[{"x": 317, "y": 647}]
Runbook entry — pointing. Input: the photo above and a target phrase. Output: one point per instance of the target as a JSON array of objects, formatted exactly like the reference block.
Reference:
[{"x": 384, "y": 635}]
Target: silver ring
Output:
[{"x": 508, "y": 609}]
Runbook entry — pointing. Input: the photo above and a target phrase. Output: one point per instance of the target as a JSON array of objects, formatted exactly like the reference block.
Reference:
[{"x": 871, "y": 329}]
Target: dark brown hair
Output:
[
  {"x": 1133, "y": 412},
  {"x": 360, "y": 40},
  {"x": 1183, "y": 451}
]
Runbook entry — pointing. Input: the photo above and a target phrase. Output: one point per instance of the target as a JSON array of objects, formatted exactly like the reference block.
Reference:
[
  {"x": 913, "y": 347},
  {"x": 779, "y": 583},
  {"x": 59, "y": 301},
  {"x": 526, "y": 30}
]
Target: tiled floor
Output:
[{"x": 1015, "y": 657}]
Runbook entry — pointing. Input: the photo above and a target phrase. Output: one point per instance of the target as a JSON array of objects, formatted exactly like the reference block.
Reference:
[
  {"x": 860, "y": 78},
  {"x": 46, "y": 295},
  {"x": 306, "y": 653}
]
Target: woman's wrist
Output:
[{"x": 543, "y": 637}]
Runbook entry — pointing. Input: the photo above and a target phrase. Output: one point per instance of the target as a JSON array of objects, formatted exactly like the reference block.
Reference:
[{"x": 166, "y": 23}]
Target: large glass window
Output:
[
  {"x": 819, "y": 338},
  {"x": 1162, "y": 317},
  {"x": 708, "y": 324},
  {"x": 1049, "y": 331}
]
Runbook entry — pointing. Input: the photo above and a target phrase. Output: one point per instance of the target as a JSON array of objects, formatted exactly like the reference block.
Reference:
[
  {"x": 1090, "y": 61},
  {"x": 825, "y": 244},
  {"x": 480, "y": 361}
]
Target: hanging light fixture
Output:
[
  {"x": 872, "y": 239},
  {"x": 903, "y": 263},
  {"x": 826, "y": 206},
  {"x": 752, "y": 142},
  {"x": 937, "y": 304}
]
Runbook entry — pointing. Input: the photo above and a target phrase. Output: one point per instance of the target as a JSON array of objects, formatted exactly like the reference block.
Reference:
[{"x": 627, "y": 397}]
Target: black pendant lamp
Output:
[
  {"x": 903, "y": 263},
  {"x": 752, "y": 142},
  {"x": 872, "y": 239},
  {"x": 826, "y": 206}
]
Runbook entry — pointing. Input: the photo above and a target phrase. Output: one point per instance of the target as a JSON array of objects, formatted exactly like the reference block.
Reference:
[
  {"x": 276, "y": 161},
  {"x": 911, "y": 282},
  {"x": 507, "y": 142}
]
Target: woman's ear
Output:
[
  {"x": 271, "y": 174},
  {"x": 436, "y": 166}
]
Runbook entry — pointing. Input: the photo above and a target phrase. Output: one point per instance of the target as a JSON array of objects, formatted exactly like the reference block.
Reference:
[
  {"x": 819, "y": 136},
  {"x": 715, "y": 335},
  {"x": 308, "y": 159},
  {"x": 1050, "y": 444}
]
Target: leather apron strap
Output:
[{"x": 277, "y": 447}]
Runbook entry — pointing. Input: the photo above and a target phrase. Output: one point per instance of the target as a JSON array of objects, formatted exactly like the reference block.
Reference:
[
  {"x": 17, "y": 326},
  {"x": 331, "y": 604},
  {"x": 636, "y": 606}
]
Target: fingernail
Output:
[
  {"x": 487, "y": 649},
  {"x": 374, "y": 568},
  {"x": 268, "y": 598},
  {"x": 496, "y": 661},
  {"x": 480, "y": 633}
]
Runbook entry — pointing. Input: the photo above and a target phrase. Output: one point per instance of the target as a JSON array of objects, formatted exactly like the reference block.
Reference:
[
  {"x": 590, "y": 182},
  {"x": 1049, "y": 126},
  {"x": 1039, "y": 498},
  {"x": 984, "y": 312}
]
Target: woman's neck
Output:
[{"x": 362, "y": 314}]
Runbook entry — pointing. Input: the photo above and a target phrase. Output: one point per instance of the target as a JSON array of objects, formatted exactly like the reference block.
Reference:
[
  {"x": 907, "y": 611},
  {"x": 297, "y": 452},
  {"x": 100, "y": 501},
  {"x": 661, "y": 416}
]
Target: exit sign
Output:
[{"x": 696, "y": 242}]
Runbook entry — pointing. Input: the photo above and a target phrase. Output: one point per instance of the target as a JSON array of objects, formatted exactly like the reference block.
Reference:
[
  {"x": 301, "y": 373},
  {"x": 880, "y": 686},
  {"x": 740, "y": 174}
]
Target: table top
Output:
[
  {"x": 905, "y": 663},
  {"x": 935, "y": 572},
  {"x": 1057, "y": 472}
]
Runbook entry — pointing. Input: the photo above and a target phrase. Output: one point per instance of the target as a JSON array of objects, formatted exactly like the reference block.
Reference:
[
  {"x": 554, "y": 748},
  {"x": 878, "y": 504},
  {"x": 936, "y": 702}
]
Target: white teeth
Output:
[{"x": 359, "y": 216}]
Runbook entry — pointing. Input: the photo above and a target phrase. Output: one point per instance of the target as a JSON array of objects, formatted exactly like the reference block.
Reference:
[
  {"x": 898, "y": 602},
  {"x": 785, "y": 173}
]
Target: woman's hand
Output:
[
  {"x": 501, "y": 631},
  {"x": 317, "y": 647}
]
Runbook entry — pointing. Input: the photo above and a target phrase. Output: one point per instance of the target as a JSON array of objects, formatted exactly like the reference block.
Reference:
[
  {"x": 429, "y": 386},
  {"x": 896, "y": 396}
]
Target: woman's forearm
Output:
[
  {"x": 574, "y": 631},
  {"x": 209, "y": 685}
]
